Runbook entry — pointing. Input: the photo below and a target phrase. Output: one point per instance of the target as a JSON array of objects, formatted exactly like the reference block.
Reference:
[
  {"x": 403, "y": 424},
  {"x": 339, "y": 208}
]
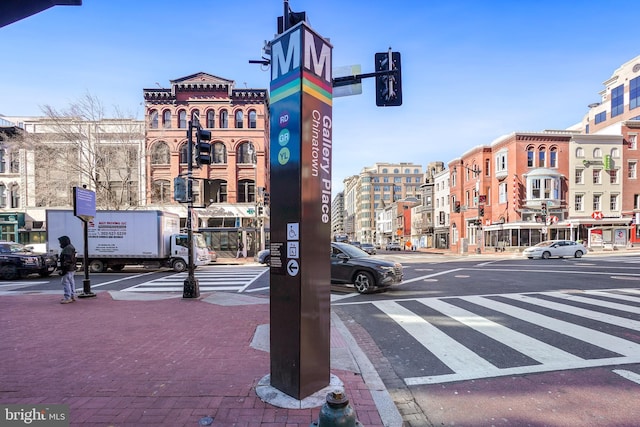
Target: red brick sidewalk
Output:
[{"x": 130, "y": 363}]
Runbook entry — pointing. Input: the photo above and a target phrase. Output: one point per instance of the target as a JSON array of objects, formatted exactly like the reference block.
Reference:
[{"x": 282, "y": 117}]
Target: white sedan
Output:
[{"x": 555, "y": 248}]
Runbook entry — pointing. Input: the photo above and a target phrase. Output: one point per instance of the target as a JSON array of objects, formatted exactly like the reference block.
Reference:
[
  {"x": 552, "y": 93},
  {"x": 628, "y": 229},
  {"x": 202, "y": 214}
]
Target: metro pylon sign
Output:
[{"x": 300, "y": 156}]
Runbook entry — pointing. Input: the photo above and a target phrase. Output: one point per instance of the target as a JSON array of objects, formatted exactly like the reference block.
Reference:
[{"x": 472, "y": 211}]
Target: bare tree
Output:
[{"x": 79, "y": 146}]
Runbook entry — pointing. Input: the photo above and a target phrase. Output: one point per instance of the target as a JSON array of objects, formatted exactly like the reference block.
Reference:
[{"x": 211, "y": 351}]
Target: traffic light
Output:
[
  {"x": 265, "y": 198},
  {"x": 203, "y": 147},
  {"x": 543, "y": 206},
  {"x": 388, "y": 86},
  {"x": 180, "y": 189},
  {"x": 260, "y": 210},
  {"x": 456, "y": 207},
  {"x": 481, "y": 211}
]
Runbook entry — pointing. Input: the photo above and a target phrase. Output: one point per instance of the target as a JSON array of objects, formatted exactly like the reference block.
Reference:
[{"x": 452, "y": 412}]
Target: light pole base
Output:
[{"x": 191, "y": 288}]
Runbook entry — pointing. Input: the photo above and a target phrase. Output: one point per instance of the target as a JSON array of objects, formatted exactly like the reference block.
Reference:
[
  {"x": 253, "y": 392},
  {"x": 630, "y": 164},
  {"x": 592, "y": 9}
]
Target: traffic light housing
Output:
[
  {"x": 388, "y": 86},
  {"x": 203, "y": 147},
  {"x": 543, "y": 207},
  {"x": 480, "y": 211},
  {"x": 180, "y": 189},
  {"x": 265, "y": 198}
]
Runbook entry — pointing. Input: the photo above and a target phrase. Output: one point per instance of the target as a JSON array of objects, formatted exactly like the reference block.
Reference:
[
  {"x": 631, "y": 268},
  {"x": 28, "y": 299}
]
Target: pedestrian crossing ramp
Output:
[
  {"x": 219, "y": 278},
  {"x": 474, "y": 337}
]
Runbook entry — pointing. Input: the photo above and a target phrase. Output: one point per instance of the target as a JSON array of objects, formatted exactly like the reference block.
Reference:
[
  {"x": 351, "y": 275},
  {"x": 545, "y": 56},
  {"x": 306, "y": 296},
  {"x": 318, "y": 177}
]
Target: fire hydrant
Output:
[{"x": 336, "y": 412}]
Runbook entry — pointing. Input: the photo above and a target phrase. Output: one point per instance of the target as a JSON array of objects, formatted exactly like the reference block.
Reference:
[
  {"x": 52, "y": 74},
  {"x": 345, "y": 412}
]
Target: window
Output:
[
  {"x": 385, "y": 179},
  {"x": 396, "y": 170},
  {"x": 613, "y": 176},
  {"x": 535, "y": 189},
  {"x": 553, "y": 157},
  {"x": 253, "y": 119},
  {"x": 636, "y": 201},
  {"x": 14, "y": 162},
  {"x": 246, "y": 153},
  {"x": 597, "y": 202},
  {"x": 501, "y": 162},
  {"x": 166, "y": 119},
  {"x": 416, "y": 171},
  {"x": 615, "y": 153},
  {"x": 579, "y": 176},
  {"x": 579, "y": 202},
  {"x": 580, "y": 152},
  {"x": 239, "y": 119},
  {"x": 597, "y": 153},
  {"x": 160, "y": 154},
  {"x": 15, "y": 197},
  {"x": 153, "y": 119},
  {"x": 632, "y": 170},
  {"x": 617, "y": 101},
  {"x": 384, "y": 170},
  {"x": 530, "y": 155},
  {"x": 596, "y": 176},
  {"x": 633, "y": 142},
  {"x": 541, "y": 157},
  {"x": 613, "y": 202},
  {"x": 215, "y": 190},
  {"x": 634, "y": 93},
  {"x": 224, "y": 119},
  {"x": 161, "y": 191},
  {"x": 182, "y": 119},
  {"x": 184, "y": 153},
  {"x": 219, "y": 153},
  {"x": 502, "y": 196},
  {"x": 601, "y": 117},
  {"x": 407, "y": 171},
  {"x": 246, "y": 191},
  {"x": 195, "y": 117},
  {"x": 211, "y": 119}
]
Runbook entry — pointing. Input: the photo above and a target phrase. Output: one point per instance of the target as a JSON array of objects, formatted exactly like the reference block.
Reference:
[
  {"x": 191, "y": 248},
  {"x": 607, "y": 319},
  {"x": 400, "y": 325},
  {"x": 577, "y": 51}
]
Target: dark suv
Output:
[
  {"x": 17, "y": 261},
  {"x": 353, "y": 265}
]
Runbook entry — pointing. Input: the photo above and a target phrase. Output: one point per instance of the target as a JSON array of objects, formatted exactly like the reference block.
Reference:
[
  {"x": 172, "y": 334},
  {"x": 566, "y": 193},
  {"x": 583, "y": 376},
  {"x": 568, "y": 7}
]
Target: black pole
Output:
[
  {"x": 86, "y": 283},
  {"x": 191, "y": 287}
]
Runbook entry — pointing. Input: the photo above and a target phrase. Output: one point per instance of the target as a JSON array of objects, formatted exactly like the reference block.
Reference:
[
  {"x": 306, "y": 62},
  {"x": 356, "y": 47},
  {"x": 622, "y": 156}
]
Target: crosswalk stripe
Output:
[
  {"x": 456, "y": 356},
  {"x": 593, "y": 301},
  {"x": 587, "y": 314},
  {"x": 531, "y": 347},
  {"x": 614, "y": 295},
  {"x": 591, "y": 336}
]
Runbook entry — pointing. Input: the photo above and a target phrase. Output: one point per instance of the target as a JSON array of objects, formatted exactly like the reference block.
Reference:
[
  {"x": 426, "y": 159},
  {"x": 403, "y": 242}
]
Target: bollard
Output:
[{"x": 336, "y": 412}]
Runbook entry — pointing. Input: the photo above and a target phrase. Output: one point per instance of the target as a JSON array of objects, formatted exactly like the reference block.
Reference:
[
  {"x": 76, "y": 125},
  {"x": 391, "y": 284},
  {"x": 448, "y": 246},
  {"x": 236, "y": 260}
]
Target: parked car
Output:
[
  {"x": 264, "y": 257},
  {"x": 356, "y": 244},
  {"x": 368, "y": 248},
  {"x": 555, "y": 248},
  {"x": 393, "y": 246},
  {"x": 213, "y": 255},
  {"x": 17, "y": 261},
  {"x": 351, "y": 265}
]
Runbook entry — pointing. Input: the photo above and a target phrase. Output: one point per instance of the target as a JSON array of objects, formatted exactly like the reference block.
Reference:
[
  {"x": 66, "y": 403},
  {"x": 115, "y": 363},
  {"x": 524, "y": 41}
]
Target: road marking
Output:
[
  {"x": 597, "y": 302},
  {"x": 428, "y": 276},
  {"x": 631, "y": 376}
]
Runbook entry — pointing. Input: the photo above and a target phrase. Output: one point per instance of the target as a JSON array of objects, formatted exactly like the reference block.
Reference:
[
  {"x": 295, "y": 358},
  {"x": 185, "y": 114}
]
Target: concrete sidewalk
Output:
[{"x": 117, "y": 360}]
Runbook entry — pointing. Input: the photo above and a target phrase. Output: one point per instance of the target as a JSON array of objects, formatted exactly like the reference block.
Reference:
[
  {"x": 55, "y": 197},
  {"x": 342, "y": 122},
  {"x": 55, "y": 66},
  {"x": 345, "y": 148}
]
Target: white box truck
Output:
[{"x": 119, "y": 238}]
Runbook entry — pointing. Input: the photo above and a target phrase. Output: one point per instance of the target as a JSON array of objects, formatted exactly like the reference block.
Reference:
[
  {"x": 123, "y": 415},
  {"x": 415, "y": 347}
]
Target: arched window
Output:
[
  {"x": 160, "y": 154},
  {"x": 580, "y": 152},
  {"x": 396, "y": 170},
  {"x": 615, "y": 153},
  {"x": 153, "y": 119},
  {"x": 184, "y": 153},
  {"x": 219, "y": 153},
  {"x": 166, "y": 119},
  {"x": 530, "y": 156},
  {"x": 553, "y": 157},
  {"x": 597, "y": 153},
  {"x": 224, "y": 119},
  {"x": 542, "y": 157},
  {"x": 246, "y": 153},
  {"x": 161, "y": 191},
  {"x": 239, "y": 119},
  {"x": 211, "y": 119},
  {"x": 3, "y": 196},
  {"x": 253, "y": 119},
  {"x": 182, "y": 119},
  {"x": 195, "y": 117},
  {"x": 15, "y": 196},
  {"x": 215, "y": 191},
  {"x": 3, "y": 160},
  {"x": 246, "y": 191}
]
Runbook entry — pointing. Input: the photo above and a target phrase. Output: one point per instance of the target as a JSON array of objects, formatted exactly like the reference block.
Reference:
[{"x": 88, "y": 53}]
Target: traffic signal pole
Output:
[{"x": 191, "y": 287}]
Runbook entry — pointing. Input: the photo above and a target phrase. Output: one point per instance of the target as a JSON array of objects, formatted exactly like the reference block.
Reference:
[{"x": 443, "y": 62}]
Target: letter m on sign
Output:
[
  {"x": 282, "y": 63},
  {"x": 317, "y": 56}
]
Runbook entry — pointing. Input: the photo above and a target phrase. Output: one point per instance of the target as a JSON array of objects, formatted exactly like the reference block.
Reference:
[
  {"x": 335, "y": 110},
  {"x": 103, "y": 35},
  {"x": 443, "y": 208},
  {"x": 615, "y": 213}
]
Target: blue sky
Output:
[{"x": 471, "y": 70}]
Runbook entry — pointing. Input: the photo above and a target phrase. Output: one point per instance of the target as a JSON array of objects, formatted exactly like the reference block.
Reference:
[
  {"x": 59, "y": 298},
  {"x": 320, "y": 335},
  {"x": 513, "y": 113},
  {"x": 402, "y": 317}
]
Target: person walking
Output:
[
  {"x": 68, "y": 269},
  {"x": 240, "y": 249}
]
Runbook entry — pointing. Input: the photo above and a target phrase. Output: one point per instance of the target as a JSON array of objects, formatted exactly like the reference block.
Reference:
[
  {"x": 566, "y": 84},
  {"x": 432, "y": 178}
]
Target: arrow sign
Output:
[{"x": 292, "y": 267}]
